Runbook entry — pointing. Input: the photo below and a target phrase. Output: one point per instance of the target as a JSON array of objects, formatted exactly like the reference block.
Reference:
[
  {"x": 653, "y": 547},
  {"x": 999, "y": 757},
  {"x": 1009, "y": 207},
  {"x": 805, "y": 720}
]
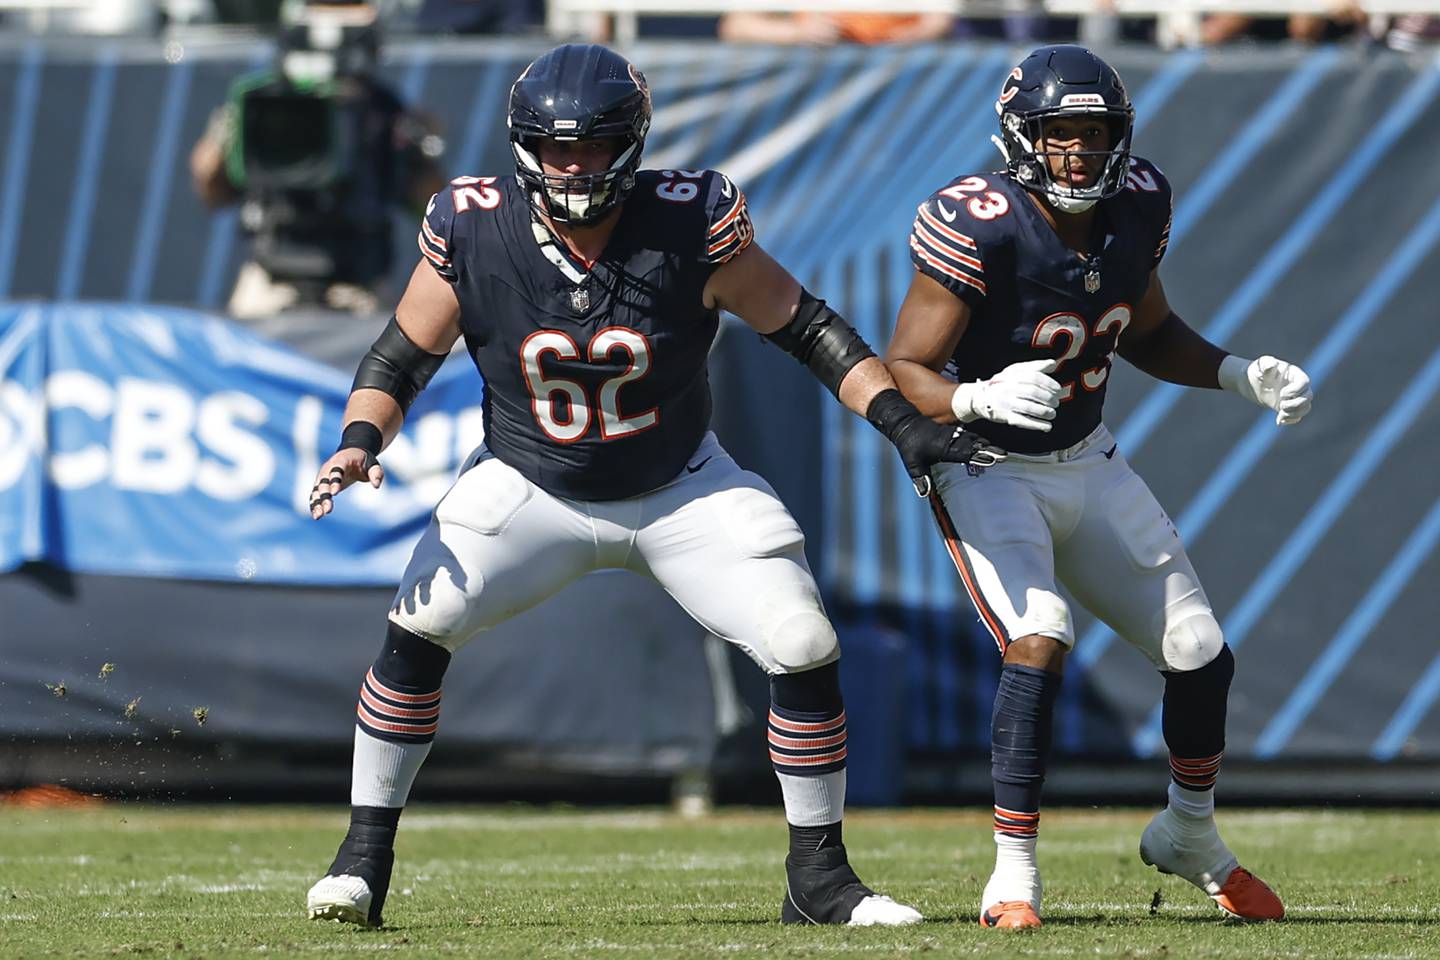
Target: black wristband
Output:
[
  {"x": 889, "y": 411},
  {"x": 363, "y": 435}
]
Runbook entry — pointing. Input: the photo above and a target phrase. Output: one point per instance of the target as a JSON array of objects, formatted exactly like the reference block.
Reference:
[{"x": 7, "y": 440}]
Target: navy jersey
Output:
[
  {"x": 982, "y": 238},
  {"x": 596, "y": 385}
]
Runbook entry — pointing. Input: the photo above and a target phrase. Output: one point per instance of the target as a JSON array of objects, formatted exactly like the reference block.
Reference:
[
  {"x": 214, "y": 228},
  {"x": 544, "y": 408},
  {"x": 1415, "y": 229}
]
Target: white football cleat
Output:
[
  {"x": 1192, "y": 850},
  {"x": 1012, "y": 901},
  {"x": 881, "y": 911},
  {"x": 342, "y": 898}
]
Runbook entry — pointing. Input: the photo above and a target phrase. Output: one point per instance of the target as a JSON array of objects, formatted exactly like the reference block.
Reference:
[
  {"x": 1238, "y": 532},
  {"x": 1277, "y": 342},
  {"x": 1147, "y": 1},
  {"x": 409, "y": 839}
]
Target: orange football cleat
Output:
[
  {"x": 1246, "y": 896},
  {"x": 1013, "y": 915}
]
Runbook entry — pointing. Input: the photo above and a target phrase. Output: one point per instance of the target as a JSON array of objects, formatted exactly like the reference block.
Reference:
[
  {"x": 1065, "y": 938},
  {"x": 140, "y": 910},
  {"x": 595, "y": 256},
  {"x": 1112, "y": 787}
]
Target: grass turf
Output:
[{"x": 131, "y": 880}]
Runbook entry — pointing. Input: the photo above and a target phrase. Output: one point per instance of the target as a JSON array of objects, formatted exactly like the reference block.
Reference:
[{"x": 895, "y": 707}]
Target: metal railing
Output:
[{"x": 1177, "y": 21}]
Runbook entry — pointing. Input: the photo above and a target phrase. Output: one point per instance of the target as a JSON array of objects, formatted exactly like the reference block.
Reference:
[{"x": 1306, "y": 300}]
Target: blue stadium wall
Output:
[{"x": 1306, "y": 224}]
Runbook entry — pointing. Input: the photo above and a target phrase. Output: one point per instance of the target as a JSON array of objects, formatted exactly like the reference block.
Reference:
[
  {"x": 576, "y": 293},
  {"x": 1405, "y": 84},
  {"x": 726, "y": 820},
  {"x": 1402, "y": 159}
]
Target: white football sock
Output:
[
  {"x": 1017, "y": 873},
  {"x": 813, "y": 801},
  {"x": 383, "y": 771},
  {"x": 1195, "y": 804}
]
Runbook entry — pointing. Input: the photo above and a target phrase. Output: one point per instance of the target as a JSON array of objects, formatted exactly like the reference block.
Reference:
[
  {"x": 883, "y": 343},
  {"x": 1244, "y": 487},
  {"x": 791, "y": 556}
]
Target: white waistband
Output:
[{"x": 1098, "y": 437}]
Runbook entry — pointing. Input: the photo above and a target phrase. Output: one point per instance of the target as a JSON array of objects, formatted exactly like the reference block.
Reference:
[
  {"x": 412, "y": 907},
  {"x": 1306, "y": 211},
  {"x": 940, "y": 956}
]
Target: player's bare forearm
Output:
[
  {"x": 1173, "y": 352},
  {"x": 866, "y": 379},
  {"x": 928, "y": 390},
  {"x": 377, "y": 407}
]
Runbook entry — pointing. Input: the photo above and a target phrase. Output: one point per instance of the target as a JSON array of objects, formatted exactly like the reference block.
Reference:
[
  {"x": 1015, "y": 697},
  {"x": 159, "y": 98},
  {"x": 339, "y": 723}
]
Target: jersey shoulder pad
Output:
[
  {"x": 1153, "y": 199},
  {"x": 955, "y": 228},
  {"x": 452, "y": 215}
]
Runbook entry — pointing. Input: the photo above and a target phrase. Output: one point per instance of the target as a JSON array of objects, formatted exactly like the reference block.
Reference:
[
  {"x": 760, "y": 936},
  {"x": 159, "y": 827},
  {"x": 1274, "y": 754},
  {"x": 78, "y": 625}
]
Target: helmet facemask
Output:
[
  {"x": 1030, "y": 166},
  {"x": 577, "y": 199}
]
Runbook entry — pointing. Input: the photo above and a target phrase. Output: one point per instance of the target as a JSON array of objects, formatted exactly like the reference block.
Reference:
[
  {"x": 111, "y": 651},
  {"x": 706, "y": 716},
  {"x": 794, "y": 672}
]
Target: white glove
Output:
[
  {"x": 1281, "y": 386},
  {"x": 1022, "y": 395}
]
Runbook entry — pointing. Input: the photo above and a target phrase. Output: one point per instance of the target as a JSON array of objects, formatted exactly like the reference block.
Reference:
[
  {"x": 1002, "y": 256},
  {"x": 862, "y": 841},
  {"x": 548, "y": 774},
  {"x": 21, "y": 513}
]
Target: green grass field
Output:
[{"x": 131, "y": 880}]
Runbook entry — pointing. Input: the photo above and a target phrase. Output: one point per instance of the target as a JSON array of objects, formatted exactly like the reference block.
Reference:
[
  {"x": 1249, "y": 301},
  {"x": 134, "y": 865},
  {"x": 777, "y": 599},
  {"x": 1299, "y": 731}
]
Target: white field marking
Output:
[
  {"x": 595, "y": 863},
  {"x": 17, "y": 917},
  {"x": 254, "y": 881},
  {"x": 231, "y": 887},
  {"x": 1201, "y": 906},
  {"x": 634, "y": 820}
]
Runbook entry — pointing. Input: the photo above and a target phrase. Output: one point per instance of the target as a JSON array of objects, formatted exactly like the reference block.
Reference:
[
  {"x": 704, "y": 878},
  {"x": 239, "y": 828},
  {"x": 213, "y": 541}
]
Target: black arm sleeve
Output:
[
  {"x": 821, "y": 339},
  {"x": 396, "y": 366}
]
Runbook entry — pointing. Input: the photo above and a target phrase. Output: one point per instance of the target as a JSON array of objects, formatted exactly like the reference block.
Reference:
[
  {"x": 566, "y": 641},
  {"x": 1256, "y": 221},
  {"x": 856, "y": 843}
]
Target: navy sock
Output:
[
  {"x": 1020, "y": 731},
  {"x": 400, "y": 697},
  {"x": 1193, "y": 720}
]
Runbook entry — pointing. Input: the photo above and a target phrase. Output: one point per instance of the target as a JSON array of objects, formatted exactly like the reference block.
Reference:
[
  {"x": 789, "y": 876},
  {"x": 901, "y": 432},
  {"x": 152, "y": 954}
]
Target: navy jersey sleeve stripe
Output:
[{"x": 435, "y": 236}]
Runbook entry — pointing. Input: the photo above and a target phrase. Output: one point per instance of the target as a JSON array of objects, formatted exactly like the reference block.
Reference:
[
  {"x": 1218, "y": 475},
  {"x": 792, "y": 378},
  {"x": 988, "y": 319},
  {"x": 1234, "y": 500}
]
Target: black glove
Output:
[{"x": 923, "y": 443}]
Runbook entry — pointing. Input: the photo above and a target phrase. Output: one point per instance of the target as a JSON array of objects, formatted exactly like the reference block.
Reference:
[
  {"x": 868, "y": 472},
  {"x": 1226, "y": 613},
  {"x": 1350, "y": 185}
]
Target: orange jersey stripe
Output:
[
  {"x": 952, "y": 544},
  {"x": 725, "y": 221},
  {"x": 948, "y": 250},
  {"x": 955, "y": 235},
  {"x": 945, "y": 268}
]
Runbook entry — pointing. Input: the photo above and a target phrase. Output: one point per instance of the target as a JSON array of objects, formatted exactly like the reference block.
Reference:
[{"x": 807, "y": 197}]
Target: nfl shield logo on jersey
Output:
[
  {"x": 580, "y": 299},
  {"x": 1092, "y": 281}
]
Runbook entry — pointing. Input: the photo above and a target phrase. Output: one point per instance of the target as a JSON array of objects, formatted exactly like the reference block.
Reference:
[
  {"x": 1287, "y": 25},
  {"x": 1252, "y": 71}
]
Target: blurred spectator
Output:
[
  {"x": 1022, "y": 21},
  {"x": 94, "y": 17},
  {"x": 1346, "y": 19},
  {"x": 320, "y": 152},
  {"x": 1412, "y": 32},
  {"x": 825, "y": 28},
  {"x": 480, "y": 16}
]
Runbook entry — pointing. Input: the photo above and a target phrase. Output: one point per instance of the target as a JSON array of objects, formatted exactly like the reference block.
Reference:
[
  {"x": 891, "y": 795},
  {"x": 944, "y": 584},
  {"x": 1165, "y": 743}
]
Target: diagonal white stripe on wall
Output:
[{"x": 790, "y": 136}]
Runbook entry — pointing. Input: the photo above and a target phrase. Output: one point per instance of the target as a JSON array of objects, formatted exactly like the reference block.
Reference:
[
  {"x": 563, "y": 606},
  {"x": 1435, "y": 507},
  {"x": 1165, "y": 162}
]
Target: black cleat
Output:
[
  {"x": 353, "y": 889},
  {"x": 820, "y": 887}
]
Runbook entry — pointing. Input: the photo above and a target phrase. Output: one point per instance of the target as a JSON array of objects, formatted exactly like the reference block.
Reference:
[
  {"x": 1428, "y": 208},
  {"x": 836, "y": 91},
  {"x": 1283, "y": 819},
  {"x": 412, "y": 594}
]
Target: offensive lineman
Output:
[
  {"x": 1026, "y": 280},
  {"x": 588, "y": 293}
]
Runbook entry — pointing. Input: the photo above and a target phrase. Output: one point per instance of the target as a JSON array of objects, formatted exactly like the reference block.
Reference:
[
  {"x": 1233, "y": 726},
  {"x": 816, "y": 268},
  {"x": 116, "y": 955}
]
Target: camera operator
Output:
[{"x": 318, "y": 151}]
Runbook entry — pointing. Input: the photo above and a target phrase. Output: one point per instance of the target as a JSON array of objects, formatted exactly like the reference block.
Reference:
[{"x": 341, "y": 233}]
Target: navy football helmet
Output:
[
  {"x": 579, "y": 92},
  {"x": 1063, "y": 80}
]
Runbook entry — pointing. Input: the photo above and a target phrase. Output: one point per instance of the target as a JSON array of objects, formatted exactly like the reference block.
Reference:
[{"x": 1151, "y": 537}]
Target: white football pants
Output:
[
  {"x": 716, "y": 538},
  {"x": 1083, "y": 517}
]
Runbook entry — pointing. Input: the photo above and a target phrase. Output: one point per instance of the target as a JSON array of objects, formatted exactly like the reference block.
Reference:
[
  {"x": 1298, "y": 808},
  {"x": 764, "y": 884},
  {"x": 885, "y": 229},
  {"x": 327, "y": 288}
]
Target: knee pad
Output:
[
  {"x": 803, "y": 640},
  {"x": 1192, "y": 643}
]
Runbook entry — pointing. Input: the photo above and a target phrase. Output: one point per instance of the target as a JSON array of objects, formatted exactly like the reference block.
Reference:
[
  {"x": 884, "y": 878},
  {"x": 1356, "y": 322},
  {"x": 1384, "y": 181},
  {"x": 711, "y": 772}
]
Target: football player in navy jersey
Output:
[
  {"x": 588, "y": 292},
  {"x": 1028, "y": 281}
]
